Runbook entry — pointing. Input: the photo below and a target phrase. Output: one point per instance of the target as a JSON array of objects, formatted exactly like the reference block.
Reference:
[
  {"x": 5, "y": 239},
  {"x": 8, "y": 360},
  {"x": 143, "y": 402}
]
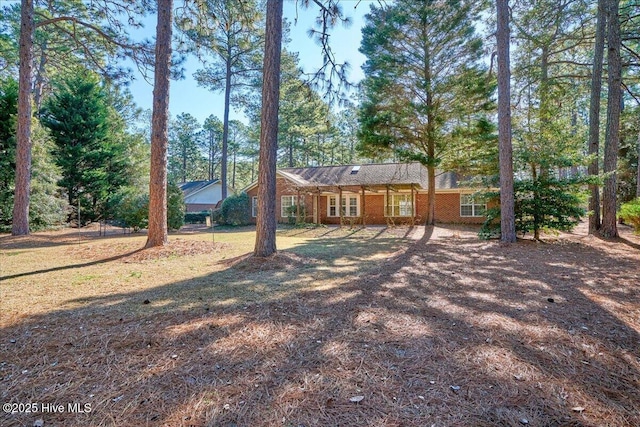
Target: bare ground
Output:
[{"x": 365, "y": 328}]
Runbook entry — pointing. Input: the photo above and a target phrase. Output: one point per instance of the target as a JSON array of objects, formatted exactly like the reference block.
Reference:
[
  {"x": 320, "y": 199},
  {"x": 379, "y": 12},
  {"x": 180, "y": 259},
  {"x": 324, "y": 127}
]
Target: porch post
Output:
[
  {"x": 413, "y": 208},
  {"x": 340, "y": 204},
  {"x": 298, "y": 207},
  {"x": 316, "y": 208},
  {"x": 386, "y": 203},
  {"x": 362, "y": 208}
]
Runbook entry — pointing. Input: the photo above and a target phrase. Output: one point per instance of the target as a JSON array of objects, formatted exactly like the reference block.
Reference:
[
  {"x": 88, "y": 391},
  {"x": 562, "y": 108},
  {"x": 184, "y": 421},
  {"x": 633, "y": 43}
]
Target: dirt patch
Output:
[
  {"x": 449, "y": 331},
  {"x": 132, "y": 252}
]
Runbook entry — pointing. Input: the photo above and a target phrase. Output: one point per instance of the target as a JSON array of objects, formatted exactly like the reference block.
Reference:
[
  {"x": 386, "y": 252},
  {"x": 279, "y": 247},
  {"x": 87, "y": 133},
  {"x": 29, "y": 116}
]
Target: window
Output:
[
  {"x": 286, "y": 203},
  {"x": 350, "y": 206},
  {"x": 254, "y": 206},
  {"x": 399, "y": 205},
  {"x": 470, "y": 207}
]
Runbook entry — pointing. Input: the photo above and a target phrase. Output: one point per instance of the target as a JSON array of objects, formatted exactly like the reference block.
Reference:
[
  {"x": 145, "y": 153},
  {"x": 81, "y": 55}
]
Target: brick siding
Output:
[{"x": 447, "y": 208}]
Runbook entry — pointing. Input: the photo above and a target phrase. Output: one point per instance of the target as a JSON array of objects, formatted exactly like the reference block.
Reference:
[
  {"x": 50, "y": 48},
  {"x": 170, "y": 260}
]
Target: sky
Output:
[{"x": 187, "y": 97}]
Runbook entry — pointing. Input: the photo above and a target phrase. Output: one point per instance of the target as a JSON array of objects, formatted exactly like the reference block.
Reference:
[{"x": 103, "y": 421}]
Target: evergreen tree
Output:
[
  {"x": 158, "y": 234},
  {"x": 8, "y": 112},
  {"x": 77, "y": 117},
  {"x": 423, "y": 79},
  {"x": 186, "y": 162}
]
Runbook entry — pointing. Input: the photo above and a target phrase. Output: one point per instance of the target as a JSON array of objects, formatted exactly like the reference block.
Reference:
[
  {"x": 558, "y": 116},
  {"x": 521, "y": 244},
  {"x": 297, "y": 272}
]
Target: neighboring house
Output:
[
  {"x": 202, "y": 195},
  {"x": 390, "y": 193}
]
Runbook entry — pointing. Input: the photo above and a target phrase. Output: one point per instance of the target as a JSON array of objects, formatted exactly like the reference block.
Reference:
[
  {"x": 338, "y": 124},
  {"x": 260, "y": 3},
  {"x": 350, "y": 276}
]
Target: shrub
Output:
[
  {"x": 196, "y": 217},
  {"x": 541, "y": 204},
  {"x": 292, "y": 214},
  {"x": 630, "y": 213},
  {"x": 235, "y": 210},
  {"x": 133, "y": 211},
  {"x": 175, "y": 207},
  {"x": 132, "y": 208}
]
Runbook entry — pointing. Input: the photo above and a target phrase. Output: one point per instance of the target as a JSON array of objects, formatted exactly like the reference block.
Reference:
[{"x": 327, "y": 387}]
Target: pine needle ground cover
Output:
[{"x": 372, "y": 327}]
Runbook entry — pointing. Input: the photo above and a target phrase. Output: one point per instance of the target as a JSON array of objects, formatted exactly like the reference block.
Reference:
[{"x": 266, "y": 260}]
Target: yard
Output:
[{"x": 374, "y": 327}]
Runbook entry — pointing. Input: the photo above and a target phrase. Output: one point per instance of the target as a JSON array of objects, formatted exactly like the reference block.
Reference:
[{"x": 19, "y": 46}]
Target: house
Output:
[
  {"x": 390, "y": 193},
  {"x": 202, "y": 195}
]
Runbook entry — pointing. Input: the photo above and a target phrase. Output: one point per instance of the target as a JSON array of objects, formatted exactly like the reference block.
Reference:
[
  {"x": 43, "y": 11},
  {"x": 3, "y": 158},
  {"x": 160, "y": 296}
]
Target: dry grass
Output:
[{"x": 440, "y": 329}]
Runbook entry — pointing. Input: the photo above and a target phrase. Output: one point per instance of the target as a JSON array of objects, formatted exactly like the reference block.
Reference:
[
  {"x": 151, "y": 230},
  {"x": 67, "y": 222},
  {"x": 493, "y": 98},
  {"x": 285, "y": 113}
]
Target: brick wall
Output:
[
  {"x": 448, "y": 210},
  {"x": 286, "y": 188},
  {"x": 447, "y": 207}
]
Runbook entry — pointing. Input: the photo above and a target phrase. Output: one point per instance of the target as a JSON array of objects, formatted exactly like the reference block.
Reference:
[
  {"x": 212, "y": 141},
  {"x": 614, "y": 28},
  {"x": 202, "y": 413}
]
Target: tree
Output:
[
  {"x": 158, "y": 234},
  {"x": 231, "y": 31},
  {"x": 594, "y": 116},
  {"x": 20, "y": 224},
  {"x": 237, "y": 139},
  {"x": 88, "y": 148},
  {"x": 8, "y": 112},
  {"x": 185, "y": 162},
  {"x": 507, "y": 212},
  {"x": 423, "y": 80},
  {"x": 266, "y": 219},
  {"x": 213, "y": 144},
  {"x": 612, "y": 137},
  {"x": 113, "y": 33}
]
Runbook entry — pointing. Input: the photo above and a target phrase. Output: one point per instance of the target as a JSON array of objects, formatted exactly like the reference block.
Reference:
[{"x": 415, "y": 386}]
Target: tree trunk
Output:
[
  {"x": 266, "y": 220},
  {"x": 431, "y": 199},
  {"x": 159, "y": 128},
  {"x": 594, "y": 117},
  {"x": 612, "y": 138},
  {"x": 233, "y": 172},
  {"x": 225, "y": 127},
  {"x": 20, "y": 222},
  {"x": 638, "y": 170},
  {"x": 507, "y": 211}
]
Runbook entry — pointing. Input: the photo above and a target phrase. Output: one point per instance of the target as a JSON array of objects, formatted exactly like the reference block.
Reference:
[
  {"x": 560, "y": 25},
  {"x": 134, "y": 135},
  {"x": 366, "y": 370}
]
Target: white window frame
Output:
[
  {"x": 403, "y": 211},
  {"x": 283, "y": 206},
  {"x": 477, "y": 209},
  {"x": 254, "y": 206},
  {"x": 332, "y": 202}
]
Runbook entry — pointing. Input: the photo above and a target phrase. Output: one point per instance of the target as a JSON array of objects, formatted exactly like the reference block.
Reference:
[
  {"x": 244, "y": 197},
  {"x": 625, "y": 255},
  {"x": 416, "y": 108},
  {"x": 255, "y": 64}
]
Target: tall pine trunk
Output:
[
  {"x": 638, "y": 171},
  {"x": 594, "y": 117},
  {"x": 225, "y": 127},
  {"x": 507, "y": 205},
  {"x": 20, "y": 222},
  {"x": 266, "y": 220},
  {"x": 614, "y": 106},
  {"x": 159, "y": 128}
]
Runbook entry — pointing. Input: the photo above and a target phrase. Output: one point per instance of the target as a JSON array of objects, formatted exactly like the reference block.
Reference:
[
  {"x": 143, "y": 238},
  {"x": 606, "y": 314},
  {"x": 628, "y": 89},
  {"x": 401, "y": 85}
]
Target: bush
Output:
[
  {"x": 542, "y": 204},
  {"x": 292, "y": 214},
  {"x": 630, "y": 213},
  {"x": 196, "y": 217},
  {"x": 132, "y": 208},
  {"x": 235, "y": 210},
  {"x": 175, "y": 207}
]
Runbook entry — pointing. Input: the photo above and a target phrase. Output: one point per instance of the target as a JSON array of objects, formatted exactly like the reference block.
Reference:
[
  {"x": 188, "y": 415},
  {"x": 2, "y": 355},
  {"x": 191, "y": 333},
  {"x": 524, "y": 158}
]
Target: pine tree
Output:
[
  {"x": 423, "y": 64},
  {"x": 77, "y": 117},
  {"x": 158, "y": 233}
]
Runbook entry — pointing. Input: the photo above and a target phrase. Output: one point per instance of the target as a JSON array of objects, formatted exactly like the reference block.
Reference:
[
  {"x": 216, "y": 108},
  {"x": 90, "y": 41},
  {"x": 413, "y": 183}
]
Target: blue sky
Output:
[{"x": 187, "y": 97}]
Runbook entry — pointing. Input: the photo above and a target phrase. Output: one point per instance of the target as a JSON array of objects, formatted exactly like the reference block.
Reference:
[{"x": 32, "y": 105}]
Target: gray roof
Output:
[
  {"x": 188, "y": 188},
  {"x": 369, "y": 174}
]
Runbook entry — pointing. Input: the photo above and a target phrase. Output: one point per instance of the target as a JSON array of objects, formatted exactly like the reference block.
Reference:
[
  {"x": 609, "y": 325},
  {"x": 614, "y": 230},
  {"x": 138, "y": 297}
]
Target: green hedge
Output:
[
  {"x": 630, "y": 213},
  {"x": 235, "y": 210},
  {"x": 196, "y": 217}
]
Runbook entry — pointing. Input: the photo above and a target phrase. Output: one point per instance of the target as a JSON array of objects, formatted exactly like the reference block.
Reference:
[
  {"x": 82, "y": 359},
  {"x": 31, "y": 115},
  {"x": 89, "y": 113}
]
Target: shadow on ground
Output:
[{"x": 447, "y": 332}]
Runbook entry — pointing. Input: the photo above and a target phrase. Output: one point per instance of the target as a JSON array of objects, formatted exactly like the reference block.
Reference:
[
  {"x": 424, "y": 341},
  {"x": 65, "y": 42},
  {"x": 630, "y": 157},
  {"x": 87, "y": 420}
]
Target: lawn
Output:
[{"x": 374, "y": 327}]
